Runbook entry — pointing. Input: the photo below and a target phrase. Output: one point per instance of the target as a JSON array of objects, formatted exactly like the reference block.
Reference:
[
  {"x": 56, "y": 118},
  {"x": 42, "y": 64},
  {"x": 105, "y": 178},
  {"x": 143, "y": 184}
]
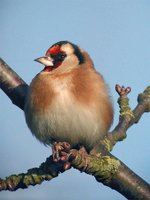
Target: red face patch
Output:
[{"x": 53, "y": 50}]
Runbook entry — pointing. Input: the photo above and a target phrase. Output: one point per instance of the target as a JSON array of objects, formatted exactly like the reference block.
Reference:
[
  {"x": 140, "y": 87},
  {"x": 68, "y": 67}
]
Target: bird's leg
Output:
[{"x": 60, "y": 151}]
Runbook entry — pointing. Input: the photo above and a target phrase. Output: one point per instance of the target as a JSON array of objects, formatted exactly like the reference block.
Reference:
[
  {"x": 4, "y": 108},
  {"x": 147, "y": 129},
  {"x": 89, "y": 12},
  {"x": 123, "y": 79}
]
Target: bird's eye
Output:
[{"x": 62, "y": 56}]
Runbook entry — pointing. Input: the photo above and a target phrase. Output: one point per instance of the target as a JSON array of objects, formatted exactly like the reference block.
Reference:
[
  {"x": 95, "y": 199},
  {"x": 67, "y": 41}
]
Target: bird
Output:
[{"x": 68, "y": 101}]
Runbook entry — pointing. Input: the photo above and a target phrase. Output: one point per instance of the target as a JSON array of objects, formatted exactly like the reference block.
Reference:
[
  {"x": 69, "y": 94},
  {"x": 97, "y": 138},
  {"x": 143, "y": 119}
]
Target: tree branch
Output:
[
  {"x": 13, "y": 86},
  {"x": 45, "y": 172},
  {"x": 106, "y": 168},
  {"x": 127, "y": 117}
]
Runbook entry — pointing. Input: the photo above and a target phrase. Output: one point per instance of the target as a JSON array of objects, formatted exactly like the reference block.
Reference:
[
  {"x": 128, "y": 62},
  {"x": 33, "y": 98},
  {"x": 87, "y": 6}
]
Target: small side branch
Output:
[
  {"x": 127, "y": 117},
  {"x": 47, "y": 171}
]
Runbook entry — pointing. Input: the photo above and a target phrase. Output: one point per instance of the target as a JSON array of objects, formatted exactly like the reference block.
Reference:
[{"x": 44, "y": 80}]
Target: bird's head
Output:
[{"x": 63, "y": 55}]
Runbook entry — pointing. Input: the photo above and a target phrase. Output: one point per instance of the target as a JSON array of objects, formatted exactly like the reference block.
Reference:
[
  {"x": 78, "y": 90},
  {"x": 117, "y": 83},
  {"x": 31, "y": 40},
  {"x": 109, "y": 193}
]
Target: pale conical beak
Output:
[{"x": 45, "y": 60}]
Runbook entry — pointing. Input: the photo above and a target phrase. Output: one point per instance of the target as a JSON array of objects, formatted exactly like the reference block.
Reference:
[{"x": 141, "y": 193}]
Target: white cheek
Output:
[
  {"x": 71, "y": 61},
  {"x": 68, "y": 49}
]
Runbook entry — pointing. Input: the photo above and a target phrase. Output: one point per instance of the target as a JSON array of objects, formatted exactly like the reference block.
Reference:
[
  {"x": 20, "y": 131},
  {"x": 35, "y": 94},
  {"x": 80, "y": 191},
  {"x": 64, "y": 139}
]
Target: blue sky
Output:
[{"x": 116, "y": 35}]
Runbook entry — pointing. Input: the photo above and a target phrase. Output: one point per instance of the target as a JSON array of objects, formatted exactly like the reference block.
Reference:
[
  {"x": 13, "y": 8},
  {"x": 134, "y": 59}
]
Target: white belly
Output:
[{"x": 66, "y": 120}]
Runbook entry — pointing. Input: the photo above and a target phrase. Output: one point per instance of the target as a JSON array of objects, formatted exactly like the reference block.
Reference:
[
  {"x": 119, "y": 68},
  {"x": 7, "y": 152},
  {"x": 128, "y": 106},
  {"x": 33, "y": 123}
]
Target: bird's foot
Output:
[
  {"x": 60, "y": 151},
  {"x": 83, "y": 151}
]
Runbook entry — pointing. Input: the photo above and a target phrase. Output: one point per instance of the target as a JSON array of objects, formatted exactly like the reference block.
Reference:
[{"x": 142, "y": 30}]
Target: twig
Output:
[
  {"x": 127, "y": 117},
  {"x": 47, "y": 171}
]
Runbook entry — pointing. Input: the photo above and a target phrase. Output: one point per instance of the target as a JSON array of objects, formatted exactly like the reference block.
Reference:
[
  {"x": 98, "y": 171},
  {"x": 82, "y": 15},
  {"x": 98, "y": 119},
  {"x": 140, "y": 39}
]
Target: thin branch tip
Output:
[{"x": 121, "y": 90}]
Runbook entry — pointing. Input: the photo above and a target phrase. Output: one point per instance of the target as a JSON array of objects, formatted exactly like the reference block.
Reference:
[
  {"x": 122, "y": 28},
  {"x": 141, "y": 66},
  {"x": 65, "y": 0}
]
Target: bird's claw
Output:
[
  {"x": 60, "y": 151},
  {"x": 86, "y": 155}
]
